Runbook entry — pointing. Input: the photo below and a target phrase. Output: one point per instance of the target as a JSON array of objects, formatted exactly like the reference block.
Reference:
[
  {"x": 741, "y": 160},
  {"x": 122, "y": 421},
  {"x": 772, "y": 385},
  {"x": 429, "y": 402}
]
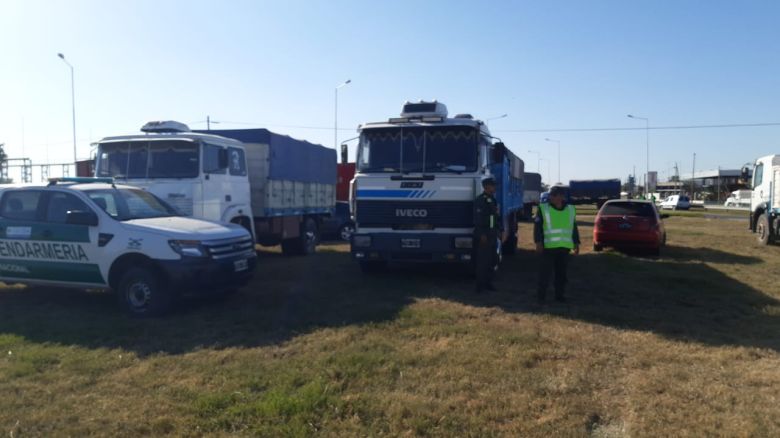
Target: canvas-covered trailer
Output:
[{"x": 292, "y": 184}]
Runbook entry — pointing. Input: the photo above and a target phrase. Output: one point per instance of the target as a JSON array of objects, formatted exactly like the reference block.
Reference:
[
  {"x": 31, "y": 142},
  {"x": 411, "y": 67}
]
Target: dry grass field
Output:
[{"x": 684, "y": 345}]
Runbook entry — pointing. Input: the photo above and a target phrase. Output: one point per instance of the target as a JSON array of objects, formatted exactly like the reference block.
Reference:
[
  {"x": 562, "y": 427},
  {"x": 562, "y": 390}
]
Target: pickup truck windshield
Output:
[
  {"x": 148, "y": 159},
  {"x": 430, "y": 149},
  {"x": 128, "y": 204}
]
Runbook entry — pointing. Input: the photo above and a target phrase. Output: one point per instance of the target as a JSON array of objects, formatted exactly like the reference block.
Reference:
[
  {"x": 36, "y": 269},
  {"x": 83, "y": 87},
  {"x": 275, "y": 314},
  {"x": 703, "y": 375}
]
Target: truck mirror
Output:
[
  {"x": 344, "y": 154},
  {"x": 222, "y": 158},
  {"x": 88, "y": 218},
  {"x": 745, "y": 173},
  {"x": 498, "y": 152}
]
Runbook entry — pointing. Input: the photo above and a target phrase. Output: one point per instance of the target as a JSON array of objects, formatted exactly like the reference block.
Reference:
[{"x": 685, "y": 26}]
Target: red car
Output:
[{"x": 629, "y": 225}]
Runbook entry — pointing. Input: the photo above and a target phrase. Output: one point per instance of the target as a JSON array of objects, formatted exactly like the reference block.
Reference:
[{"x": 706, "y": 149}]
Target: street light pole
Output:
[
  {"x": 336, "y": 114},
  {"x": 559, "y": 156},
  {"x": 73, "y": 104},
  {"x": 647, "y": 150}
]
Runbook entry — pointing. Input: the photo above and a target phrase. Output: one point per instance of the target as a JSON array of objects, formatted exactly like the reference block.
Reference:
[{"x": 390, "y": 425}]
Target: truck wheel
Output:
[
  {"x": 763, "y": 230},
  {"x": 142, "y": 293},
  {"x": 304, "y": 244},
  {"x": 372, "y": 267},
  {"x": 346, "y": 231}
]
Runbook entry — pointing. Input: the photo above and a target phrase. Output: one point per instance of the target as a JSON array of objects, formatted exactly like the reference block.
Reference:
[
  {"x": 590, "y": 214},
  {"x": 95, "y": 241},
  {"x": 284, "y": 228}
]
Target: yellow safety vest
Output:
[{"x": 558, "y": 226}]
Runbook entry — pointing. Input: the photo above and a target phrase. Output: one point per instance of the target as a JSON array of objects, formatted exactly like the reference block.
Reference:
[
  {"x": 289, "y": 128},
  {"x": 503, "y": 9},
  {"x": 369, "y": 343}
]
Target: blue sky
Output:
[{"x": 552, "y": 64}]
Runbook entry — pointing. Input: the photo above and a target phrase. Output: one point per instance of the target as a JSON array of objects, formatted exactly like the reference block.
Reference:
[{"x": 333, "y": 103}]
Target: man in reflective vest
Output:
[
  {"x": 555, "y": 235},
  {"x": 487, "y": 229}
]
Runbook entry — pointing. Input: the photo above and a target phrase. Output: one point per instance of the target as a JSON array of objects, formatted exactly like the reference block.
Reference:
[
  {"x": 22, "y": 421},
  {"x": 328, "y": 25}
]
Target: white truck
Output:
[
  {"x": 92, "y": 233},
  {"x": 277, "y": 187},
  {"x": 412, "y": 197},
  {"x": 765, "y": 200},
  {"x": 739, "y": 198}
]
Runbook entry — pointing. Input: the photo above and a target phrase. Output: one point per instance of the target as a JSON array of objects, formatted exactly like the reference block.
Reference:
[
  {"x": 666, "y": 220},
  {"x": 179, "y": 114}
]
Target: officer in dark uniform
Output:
[{"x": 487, "y": 229}]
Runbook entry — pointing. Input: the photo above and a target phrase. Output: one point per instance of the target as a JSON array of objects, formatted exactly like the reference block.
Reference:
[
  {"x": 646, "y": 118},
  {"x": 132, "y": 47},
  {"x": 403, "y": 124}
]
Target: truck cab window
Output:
[
  {"x": 20, "y": 205},
  {"x": 236, "y": 162},
  {"x": 211, "y": 159},
  {"x": 758, "y": 175}
]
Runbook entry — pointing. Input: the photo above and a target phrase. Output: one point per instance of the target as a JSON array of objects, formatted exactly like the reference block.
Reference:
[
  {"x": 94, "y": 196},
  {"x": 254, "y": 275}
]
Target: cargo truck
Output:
[
  {"x": 277, "y": 187},
  {"x": 593, "y": 191},
  {"x": 765, "y": 200},
  {"x": 417, "y": 177},
  {"x": 532, "y": 185}
]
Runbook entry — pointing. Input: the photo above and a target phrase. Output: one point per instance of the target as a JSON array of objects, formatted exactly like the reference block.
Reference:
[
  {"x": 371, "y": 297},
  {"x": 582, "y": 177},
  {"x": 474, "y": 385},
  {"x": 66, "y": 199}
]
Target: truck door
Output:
[
  {"x": 38, "y": 241},
  {"x": 758, "y": 195}
]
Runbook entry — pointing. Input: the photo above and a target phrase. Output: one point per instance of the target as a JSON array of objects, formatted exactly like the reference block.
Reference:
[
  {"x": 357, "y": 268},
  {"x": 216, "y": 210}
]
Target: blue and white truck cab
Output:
[
  {"x": 92, "y": 233},
  {"x": 412, "y": 198}
]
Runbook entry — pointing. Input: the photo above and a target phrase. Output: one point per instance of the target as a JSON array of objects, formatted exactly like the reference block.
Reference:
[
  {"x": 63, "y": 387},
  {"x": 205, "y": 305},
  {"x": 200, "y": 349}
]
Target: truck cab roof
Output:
[{"x": 179, "y": 136}]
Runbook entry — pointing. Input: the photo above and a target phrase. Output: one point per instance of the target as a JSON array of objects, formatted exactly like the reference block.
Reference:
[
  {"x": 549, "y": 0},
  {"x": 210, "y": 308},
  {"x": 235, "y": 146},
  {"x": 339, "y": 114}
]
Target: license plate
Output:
[
  {"x": 410, "y": 243},
  {"x": 240, "y": 265},
  {"x": 625, "y": 226}
]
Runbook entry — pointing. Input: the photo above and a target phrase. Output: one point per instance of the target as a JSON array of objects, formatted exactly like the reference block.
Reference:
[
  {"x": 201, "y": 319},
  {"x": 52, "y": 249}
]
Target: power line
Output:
[{"x": 657, "y": 128}]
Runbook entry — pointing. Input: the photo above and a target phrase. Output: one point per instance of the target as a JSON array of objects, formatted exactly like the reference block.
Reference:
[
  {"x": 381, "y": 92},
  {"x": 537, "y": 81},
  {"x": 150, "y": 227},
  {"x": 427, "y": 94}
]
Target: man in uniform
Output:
[
  {"x": 555, "y": 235},
  {"x": 487, "y": 229}
]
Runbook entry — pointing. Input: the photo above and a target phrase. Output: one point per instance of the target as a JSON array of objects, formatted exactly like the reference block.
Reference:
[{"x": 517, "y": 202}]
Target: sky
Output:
[{"x": 548, "y": 65}]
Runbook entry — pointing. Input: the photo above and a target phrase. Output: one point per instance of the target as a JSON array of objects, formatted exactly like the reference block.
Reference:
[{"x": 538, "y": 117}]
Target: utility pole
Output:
[
  {"x": 208, "y": 123},
  {"x": 693, "y": 177}
]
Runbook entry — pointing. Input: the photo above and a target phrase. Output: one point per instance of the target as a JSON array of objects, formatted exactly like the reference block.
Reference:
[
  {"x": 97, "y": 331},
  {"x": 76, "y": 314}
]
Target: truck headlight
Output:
[
  {"x": 464, "y": 242},
  {"x": 188, "y": 248},
  {"x": 361, "y": 241}
]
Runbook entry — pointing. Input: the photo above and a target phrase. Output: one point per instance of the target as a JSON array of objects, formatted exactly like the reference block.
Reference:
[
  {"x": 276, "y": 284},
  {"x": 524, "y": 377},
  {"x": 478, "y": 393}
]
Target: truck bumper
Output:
[
  {"x": 412, "y": 247},
  {"x": 203, "y": 276}
]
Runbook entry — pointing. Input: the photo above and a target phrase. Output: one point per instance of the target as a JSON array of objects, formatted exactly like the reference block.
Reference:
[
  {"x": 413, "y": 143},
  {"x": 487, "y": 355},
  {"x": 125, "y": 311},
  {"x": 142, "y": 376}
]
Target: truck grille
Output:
[
  {"x": 415, "y": 214},
  {"x": 222, "y": 249}
]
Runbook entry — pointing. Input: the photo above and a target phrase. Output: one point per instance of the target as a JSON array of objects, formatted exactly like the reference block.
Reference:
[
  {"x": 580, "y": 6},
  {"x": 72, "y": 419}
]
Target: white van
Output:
[
  {"x": 91, "y": 233},
  {"x": 676, "y": 202}
]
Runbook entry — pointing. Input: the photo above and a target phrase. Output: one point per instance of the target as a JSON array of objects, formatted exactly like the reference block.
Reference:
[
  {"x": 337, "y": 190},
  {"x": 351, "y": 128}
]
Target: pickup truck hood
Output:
[{"x": 187, "y": 228}]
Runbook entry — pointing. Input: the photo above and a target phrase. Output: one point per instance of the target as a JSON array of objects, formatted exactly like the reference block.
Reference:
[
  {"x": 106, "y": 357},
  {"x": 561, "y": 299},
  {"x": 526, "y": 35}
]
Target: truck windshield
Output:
[
  {"x": 128, "y": 204},
  {"x": 419, "y": 149},
  {"x": 148, "y": 159}
]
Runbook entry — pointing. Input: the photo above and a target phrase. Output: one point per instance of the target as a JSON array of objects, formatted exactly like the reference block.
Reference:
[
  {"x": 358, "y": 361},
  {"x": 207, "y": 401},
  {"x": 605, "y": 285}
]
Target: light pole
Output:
[
  {"x": 73, "y": 103},
  {"x": 336, "y": 115},
  {"x": 538, "y": 159},
  {"x": 647, "y": 140},
  {"x": 495, "y": 118},
  {"x": 559, "y": 155}
]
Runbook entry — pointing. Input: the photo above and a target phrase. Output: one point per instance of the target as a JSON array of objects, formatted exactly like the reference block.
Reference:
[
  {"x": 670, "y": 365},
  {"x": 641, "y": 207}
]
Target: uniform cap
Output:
[
  {"x": 488, "y": 180},
  {"x": 557, "y": 189}
]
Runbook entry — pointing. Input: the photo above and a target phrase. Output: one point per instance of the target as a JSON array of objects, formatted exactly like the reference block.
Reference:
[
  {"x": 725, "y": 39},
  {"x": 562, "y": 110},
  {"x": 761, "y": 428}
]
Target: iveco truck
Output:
[
  {"x": 412, "y": 197},
  {"x": 277, "y": 187}
]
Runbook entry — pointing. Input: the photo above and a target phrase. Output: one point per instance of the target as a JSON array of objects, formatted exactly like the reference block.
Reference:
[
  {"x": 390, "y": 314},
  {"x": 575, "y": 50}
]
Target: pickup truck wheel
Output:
[
  {"x": 141, "y": 293},
  {"x": 763, "y": 230}
]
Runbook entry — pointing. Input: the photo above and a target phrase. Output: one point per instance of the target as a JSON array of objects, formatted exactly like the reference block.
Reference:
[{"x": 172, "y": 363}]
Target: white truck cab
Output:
[
  {"x": 765, "y": 200},
  {"x": 92, "y": 233}
]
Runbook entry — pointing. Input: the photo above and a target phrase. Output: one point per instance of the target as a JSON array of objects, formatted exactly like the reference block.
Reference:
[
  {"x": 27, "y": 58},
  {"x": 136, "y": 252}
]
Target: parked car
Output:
[
  {"x": 633, "y": 224},
  {"x": 676, "y": 202}
]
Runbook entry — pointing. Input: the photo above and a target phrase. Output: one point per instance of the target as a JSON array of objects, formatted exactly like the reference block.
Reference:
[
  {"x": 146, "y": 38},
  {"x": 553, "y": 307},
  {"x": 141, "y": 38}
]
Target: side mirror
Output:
[
  {"x": 222, "y": 158},
  {"x": 498, "y": 152},
  {"x": 88, "y": 218},
  {"x": 344, "y": 154}
]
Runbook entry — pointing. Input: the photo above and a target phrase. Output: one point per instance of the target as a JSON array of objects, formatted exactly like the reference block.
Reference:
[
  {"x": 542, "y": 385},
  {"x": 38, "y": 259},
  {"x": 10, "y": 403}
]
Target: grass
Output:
[{"x": 685, "y": 344}]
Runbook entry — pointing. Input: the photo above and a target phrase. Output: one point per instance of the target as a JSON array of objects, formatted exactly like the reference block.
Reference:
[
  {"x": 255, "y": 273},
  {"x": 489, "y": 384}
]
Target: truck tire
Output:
[
  {"x": 305, "y": 243},
  {"x": 764, "y": 230},
  {"x": 141, "y": 293}
]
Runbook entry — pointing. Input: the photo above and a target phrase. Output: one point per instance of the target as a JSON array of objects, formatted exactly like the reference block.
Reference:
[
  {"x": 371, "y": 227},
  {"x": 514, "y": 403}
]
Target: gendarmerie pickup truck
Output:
[{"x": 92, "y": 233}]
